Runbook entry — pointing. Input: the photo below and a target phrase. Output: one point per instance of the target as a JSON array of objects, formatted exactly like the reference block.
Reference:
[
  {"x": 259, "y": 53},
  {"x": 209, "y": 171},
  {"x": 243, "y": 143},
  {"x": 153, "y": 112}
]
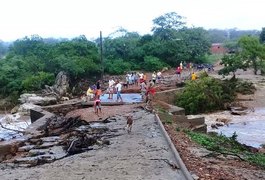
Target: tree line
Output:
[{"x": 31, "y": 62}]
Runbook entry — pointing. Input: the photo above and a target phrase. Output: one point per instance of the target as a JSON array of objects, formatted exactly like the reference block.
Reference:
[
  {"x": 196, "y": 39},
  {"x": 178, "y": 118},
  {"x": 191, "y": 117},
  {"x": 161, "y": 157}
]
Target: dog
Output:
[{"x": 129, "y": 123}]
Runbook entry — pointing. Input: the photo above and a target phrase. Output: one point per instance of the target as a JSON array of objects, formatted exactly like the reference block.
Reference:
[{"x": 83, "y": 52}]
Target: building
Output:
[{"x": 218, "y": 48}]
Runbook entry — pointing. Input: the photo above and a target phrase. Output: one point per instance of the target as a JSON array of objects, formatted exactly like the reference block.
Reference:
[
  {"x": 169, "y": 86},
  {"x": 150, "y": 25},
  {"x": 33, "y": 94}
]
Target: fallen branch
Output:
[
  {"x": 215, "y": 154},
  {"x": 18, "y": 131}
]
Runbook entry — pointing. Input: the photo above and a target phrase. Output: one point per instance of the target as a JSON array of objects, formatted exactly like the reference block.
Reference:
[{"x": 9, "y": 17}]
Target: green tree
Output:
[
  {"x": 165, "y": 25},
  {"x": 262, "y": 36},
  {"x": 252, "y": 51},
  {"x": 152, "y": 63},
  {"x": 233, "y": 62}
]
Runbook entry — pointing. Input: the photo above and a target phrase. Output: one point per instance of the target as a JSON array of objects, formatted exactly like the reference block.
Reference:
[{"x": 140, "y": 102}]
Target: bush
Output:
[
  {"x": 117, "y": 66},
  {"x": 152, "y": 63},
  {"x": 204, "y": 95},
  {"x": 37, "y": 82}
]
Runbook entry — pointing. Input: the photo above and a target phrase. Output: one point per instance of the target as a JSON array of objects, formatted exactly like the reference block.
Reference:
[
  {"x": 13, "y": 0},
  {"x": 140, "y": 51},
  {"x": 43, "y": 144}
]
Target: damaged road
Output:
[{"x": 108, "y": 152}]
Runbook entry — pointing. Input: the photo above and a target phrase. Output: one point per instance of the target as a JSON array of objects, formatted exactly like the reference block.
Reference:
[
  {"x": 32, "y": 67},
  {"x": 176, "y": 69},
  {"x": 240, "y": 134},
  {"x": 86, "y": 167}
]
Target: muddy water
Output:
[{"x": 250, "y": 128}]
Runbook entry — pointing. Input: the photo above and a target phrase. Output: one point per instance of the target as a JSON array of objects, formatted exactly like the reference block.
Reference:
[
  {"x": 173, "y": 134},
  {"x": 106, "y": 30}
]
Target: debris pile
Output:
[{"x": 60, "y": 138}]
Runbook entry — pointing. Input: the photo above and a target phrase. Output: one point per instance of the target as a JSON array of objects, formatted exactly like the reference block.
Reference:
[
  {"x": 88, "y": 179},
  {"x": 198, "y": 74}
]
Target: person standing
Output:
[
  {"x": 97, "y": 106},
  {"x": 118, "y": 88},
  {"x": 111, "y": 88},
  {"x": 154, "y": 77},
  {"x": 193, "y": 76},
  {"x": 143, "y": 89},
  {"x": 181, "y": 65},
  {"x": 158, "y": 76}
]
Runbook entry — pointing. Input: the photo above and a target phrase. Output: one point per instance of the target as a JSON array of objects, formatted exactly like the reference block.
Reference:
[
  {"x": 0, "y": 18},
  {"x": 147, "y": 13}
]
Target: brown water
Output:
[{"x": 250, "y": 128}]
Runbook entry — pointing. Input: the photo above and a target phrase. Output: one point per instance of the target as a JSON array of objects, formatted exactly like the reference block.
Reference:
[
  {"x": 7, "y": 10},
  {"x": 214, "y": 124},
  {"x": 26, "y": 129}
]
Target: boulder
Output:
[
  {"x": 26, "y": 107},
  {"x": 60, "y": 87},
  {"x": 37, "y": 100}
]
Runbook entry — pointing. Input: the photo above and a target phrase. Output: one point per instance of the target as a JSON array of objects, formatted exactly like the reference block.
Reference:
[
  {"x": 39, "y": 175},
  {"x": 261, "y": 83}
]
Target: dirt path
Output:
[{"x": 143, "y": 154}]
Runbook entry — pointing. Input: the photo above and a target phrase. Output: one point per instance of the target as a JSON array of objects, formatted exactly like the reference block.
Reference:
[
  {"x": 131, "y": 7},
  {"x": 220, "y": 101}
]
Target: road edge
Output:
[{"x": 174, "y": 150}]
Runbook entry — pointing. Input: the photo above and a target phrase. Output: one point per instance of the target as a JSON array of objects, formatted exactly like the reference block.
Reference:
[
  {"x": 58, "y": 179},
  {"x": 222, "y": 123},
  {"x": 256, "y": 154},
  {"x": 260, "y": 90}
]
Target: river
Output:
[{"x": 250, "y": 128}]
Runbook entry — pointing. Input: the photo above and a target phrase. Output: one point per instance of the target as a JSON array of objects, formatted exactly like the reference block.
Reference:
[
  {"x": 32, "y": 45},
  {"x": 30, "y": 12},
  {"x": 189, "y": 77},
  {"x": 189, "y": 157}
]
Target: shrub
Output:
[
  {"x": 37, "y": 82},
  {"x": 117, "y": 66},
  {"x": 152, "y": 63},
  {"x": 203, "y": 95}
]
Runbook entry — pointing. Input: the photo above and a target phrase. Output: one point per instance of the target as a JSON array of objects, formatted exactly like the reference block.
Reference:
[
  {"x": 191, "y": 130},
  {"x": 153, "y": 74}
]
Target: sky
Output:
[{"x": 71, "y": 18}]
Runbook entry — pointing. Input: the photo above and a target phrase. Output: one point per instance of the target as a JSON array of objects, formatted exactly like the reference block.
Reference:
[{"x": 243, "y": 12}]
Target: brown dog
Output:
[{"x": 129, "y": 123}]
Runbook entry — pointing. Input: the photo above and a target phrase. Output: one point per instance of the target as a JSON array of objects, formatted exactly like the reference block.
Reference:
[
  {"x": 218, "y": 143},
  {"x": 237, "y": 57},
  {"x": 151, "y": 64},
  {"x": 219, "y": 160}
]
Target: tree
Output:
[
  {"x": 165, "y": 25},
  {"x": 196, "y": 42},
  {"x": 233, "y": 62},
  {"x": 250, "y": 54},
  {"x": 262, "y": 36},
  {"x": 252, "y": 51}
]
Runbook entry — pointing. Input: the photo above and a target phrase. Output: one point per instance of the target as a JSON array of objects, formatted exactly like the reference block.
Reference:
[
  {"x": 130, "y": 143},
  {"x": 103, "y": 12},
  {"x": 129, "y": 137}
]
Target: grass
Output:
[
  {"x": 213, "y": 58},
  {"x": 227, "y": 145}
]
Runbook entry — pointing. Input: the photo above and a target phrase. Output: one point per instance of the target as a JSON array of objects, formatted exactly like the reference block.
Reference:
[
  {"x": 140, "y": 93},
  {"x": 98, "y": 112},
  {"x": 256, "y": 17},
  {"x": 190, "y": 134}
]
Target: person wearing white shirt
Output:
[
  {"x": 111, "y": 88},
  {"x": 118, "y": 90}
]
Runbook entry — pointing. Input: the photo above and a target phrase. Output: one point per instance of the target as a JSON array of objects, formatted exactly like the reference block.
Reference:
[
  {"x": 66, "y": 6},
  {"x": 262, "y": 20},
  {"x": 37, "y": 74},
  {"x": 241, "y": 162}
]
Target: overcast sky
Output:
[{"x": 71, "y": 18}]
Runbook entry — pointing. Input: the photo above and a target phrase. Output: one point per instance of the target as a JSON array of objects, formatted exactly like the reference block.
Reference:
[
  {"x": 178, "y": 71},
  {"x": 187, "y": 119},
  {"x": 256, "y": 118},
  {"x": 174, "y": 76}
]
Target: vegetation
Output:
[
  {"x": 204, "y": 95},
  {"x": 221, "y": 144},
  {"x": 31, "y": 62},
  {"x": 250, "y": 53}
]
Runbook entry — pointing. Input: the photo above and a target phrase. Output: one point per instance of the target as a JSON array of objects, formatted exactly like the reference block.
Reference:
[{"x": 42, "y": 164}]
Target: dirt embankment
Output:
[{"x": 222, "y": 167}]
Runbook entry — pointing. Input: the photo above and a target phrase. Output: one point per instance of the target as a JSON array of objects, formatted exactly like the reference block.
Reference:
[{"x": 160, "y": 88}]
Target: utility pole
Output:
[{"x": 101, "y": 56}]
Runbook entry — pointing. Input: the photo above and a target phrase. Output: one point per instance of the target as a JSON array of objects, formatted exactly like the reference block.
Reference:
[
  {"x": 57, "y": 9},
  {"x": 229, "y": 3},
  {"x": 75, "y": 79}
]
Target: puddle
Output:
[
  {"x": 12, "y": 121},
  {"x": 250, "y": 128},
  {"x": 127, "y": 98}
]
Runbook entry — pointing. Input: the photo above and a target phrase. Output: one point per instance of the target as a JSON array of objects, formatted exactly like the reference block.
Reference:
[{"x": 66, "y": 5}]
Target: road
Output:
[{"x": 143, "y": 154}]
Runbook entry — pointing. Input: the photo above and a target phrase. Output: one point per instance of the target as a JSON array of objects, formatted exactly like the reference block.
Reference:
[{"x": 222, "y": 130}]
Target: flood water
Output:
[
  {"x": 12, "y": 121},
  {"x": 250, "y": 128},
  {"x": 127, "y": 98}
]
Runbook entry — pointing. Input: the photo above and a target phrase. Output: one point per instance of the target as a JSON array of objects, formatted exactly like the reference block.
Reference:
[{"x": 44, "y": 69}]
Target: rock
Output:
[
  {"x": 47, "y": 145},
  {"x": 37, "y": 152},
  {"x": 26, "y": 148},
  {"x": 14, "y": 110},
  {"x": 57, "y": 152},
  {"x": 37, "y": 100},
  {"x": 223, "y": 120},
  {"x": 32, "y": 161},
  {"x": 8, "y": 147},
  {"x": 50, "y": 139},
  {"x": 26, "y": 107},
  {"x": 195, "y": 177},
  {"x": 214, "y": 126},
  {"x": 61, "y": 85},
  {"x": 219, "y": 124},
  {"x": 239, "y": 110}
]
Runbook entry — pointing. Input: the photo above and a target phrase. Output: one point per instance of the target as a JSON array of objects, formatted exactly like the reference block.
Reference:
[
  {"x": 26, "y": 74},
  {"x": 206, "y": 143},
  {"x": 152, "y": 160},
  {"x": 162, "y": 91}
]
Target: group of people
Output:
[
  {"x": 94, "y": 92},
  {"x": 115, "y": 87},
  {"x": 188, "y": 67}
]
